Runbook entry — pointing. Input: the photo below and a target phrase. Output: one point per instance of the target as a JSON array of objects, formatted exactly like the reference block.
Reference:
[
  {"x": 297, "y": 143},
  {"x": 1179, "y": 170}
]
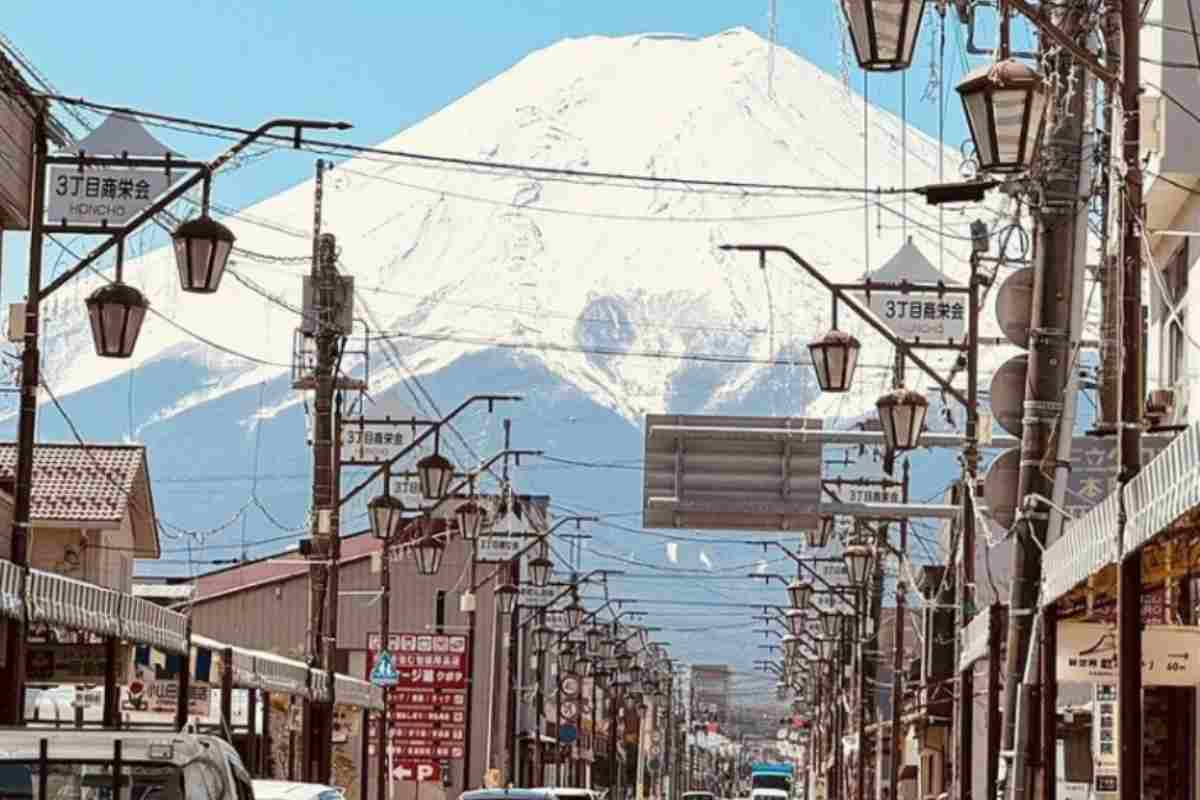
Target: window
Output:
[{"x": 1175, "y": 279}]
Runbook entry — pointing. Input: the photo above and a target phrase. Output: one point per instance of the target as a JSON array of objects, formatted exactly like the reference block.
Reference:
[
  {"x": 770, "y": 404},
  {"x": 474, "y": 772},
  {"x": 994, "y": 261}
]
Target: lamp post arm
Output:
[
  {"x": 174, "y": 194},
  {"x": 471, "y": 476},
  {"x": 846, "y": 298},
  {"x": 421, "y": 437}
]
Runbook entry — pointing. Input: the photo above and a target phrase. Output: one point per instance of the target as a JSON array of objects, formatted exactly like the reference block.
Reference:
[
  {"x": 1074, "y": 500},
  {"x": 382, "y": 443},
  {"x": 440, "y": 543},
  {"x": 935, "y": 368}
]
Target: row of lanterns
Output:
[{"x": 1004, "y": 102}]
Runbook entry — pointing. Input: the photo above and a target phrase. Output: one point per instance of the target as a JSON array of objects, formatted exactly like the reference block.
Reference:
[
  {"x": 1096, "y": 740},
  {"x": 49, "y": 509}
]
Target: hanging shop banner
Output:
[{"x": 1087, "y": 653}]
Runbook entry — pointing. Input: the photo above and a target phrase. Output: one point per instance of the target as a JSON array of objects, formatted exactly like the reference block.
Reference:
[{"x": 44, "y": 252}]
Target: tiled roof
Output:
[
  {"x": 71, "y": 484},
  {"x": 97, "y": 485}
]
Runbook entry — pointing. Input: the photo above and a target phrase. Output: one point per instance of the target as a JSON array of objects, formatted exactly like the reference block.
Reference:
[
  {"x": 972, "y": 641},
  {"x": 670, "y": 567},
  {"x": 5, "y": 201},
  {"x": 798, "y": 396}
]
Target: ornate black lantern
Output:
[
  {"x": 883, "y": 32},
  {"x": 385, "y": 512},
  {"x": 116, "y": 312},
  {"x": 820, "y": 534},
  {"x": 902, "y": 416},
  {"x": 595, "y": 637},
  {"x": 428, "y": 552},
  {"x": 575, "y": 614},
  {"x": 202, "y": 248},
  {"x": 542, "y": 637},
  {"x": 434, "y": 472},
  {"x": 831, "y": 624},
  {"x": 800, "y": 593},
  {"x": 539, "y": 571},
  {"x": 470, "y": 520},
  {"x": 834, "y": 357},
  {"x": 1004, "y": 103},
  {"x": 858, "y": 558},
  {"x": 624, "y": 660},
  {"x": 566, "y": 658},
  {"x": 506, "y": 597}
]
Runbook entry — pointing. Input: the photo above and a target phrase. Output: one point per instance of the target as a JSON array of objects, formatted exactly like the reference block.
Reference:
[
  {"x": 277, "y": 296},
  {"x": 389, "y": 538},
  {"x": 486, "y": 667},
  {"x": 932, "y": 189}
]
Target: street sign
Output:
[
  {"x": 567, "y": 734},
  {"x": 384, "y": 672},
  {"x": 1087, "y": 653},
  {"x": 101, "y": 195},
  {"x": 427, "y": 708},
  {"x": 418, "y": 771},
  {"x": 496, "y": 548},
  {"x": 378, "y": 433},
  {"x": 537, "y": 595},
  {"x": 913, "y": 315}
]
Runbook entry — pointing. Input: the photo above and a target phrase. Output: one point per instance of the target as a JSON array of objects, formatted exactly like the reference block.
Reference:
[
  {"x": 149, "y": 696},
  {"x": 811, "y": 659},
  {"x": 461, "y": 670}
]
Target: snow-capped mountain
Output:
[
  {"x": 578, "y": 293},
  {"x": 456, "y": 258}
]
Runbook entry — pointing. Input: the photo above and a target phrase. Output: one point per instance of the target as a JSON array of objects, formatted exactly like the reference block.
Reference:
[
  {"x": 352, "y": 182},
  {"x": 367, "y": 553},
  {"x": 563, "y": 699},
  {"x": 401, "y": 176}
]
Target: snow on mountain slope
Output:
[{"x": 457, "y": 260}]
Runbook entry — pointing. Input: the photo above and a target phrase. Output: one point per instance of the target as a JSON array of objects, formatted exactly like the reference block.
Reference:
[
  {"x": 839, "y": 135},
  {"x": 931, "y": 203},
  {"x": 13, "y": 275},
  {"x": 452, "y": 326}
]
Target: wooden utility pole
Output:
[
  {"x": 1129, "y": 611},
  {"x": 1061, "y": 209},
  {"x": 319, "y": 732}
]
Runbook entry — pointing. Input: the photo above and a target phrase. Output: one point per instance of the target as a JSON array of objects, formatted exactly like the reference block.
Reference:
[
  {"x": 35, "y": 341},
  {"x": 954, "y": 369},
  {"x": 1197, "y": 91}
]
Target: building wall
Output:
[{"x": 274, "y": 617}]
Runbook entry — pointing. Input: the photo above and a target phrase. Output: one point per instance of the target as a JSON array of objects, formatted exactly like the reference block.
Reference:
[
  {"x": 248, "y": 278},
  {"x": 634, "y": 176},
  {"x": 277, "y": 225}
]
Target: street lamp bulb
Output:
[
  {"x": 883, "y": 32},
  {"x": 1004, "y": 103},
  {"x": 834, "y": 357},
  {"x": 902, "y": 416},
  {"x": 434, "y": 472},
  {"x": 116, "y": 312},
  {"x": 202, "y": 248}
]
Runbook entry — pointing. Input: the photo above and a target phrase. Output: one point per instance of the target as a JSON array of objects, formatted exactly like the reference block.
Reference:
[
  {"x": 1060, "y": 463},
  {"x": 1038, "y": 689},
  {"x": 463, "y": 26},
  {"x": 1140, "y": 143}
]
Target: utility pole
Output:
[
  {"x": 385, "y": 627},
  {"x": 898, "y": 650},
  {"x": 1047, "y": 410},
  {"x": 1129, "y": 611},
  {"x": 319, "y": 732}
]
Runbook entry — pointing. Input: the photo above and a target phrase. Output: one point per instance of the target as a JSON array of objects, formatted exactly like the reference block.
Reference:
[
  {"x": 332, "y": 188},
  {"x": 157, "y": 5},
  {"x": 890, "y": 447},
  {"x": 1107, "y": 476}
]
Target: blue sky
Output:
[{"x": 381, "y": 65}]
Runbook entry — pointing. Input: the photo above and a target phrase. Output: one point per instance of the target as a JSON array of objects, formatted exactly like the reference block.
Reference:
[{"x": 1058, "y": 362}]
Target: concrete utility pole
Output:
[
  {"x": 894, "y": 742},
  {"x": 385, "y": 626},
  {"x": 1046, "y": 415},
  {"x": 319, "y": 731}
]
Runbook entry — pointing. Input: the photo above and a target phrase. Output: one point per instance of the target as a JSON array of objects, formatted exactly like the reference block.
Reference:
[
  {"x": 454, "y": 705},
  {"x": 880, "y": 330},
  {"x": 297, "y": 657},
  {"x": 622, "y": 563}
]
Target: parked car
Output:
[
  {"x": 288, "y": 790},
  {"x": 152, "y": 766}
]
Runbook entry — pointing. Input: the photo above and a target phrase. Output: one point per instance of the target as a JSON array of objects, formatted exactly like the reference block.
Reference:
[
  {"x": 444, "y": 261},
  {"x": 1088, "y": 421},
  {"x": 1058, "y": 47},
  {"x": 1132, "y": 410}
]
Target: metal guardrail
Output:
[
  {"x": 245, "y": 669},
  {"x": 975, "y": 638},
  {"x": 1086, "y": 545},
  {"x": 352, "y": 691},
  {"x": 321, "y": 688},
  {"x": 281, "y": 675}
]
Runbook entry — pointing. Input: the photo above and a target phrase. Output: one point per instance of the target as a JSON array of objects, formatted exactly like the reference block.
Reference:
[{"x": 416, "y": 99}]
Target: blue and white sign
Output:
[{"x": 384, "y": 673}]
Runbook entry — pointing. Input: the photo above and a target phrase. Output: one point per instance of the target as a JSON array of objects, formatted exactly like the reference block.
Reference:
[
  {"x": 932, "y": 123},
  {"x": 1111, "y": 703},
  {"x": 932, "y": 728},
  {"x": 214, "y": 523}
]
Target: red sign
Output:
[
  {"x": 427, "y": 661},
  {"x": 419, "y": 771},
  {"x": 426, "y": 711}
]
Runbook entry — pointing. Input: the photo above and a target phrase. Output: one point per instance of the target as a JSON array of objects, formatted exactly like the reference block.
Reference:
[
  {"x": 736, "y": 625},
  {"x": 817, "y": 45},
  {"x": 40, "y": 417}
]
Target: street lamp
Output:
[
  {"x": 834, "y": 357},
  {"x": 541, "y": 638},
  {"x": 830, "y": 623},
  {"x": 820, "y": 534},
  {"x": 470, "y": 520},
  {"x": 858, "y": 558},
  {"x": 575, "y": 613},
  {"x": 902, "y": 416},
  {"x": 883, "y": 32},
  {"x": 566, "y": 659},
  {"x": 796, "y": 620},
  {"x": 1004, "y": 103},
  {"x": 539, "y": 571},
  {"x": 116, "y": 312},
  {"x": 828, "y": 648},
  {"x": 202, "y": 248},
  {"x": 434, "y": 472},
  {"x": 428, "y": 552},
  {"x": 506, "y": 597},
  {"x": 800, "y": 593},
  {"x": 583, "y": 665},
  {"x": 595, "y": 638},
  {"x": 385, "y": 512},
  {"x": 624, "y": 660}
]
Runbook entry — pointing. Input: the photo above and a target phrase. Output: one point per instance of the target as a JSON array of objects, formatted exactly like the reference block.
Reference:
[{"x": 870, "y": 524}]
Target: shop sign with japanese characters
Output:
[
  {"x": 1087, "y": 653},
  {"x": 101, "y": 195},
  {"x": 497, "y": 547},
  {"x": 929, "y": 316}
]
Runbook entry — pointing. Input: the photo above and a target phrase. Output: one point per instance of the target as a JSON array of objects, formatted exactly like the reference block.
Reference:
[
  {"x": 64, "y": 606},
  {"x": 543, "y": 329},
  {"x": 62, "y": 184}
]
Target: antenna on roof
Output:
[{"x": 772, "y": 33}]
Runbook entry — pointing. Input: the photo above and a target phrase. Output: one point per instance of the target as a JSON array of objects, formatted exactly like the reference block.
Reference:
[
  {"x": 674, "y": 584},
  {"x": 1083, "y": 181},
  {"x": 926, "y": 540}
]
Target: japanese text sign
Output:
[{"x": 101, "y": 195}]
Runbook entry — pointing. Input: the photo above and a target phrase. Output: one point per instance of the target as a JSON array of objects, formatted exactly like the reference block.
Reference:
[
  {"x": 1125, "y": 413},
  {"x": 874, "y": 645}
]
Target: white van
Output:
[{"x": 89, "y": 765}]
